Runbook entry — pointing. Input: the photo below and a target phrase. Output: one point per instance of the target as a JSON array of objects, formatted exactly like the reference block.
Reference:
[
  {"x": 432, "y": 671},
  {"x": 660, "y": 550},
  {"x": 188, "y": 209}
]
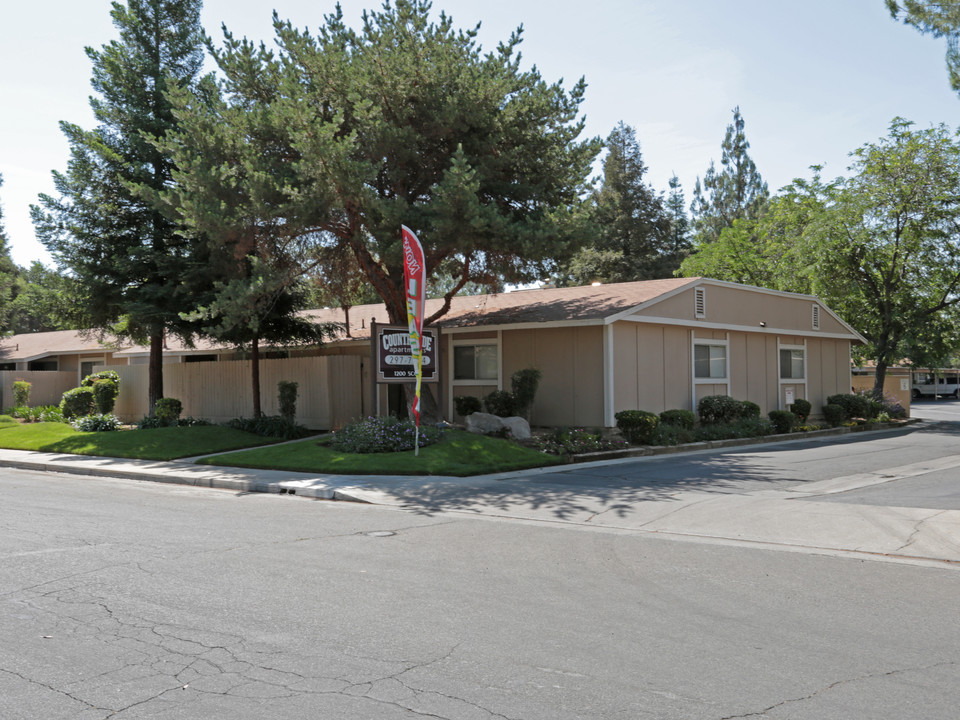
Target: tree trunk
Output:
[
  {"x": 155, "y": 371},
  {"x": 880, "y": 379},
  {"x": 429, "y": 410},
  {"x": 255, "y": 374}
]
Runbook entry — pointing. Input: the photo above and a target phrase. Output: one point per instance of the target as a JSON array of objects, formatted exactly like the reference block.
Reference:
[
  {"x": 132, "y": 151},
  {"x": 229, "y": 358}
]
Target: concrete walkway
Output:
[{"x": 785, "y": 519}]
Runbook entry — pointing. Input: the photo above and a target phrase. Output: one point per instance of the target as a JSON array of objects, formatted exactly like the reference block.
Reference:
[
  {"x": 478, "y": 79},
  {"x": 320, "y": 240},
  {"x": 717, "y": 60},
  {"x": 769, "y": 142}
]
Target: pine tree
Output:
[
  {"x": 940, "y": 19},
  {"x": 632, "y": 223},
  {"x": 105, "y": 227},
  {"x": 735, "y": 191},
  {"x": 678, "y": 238},
  {"x": 8, "y": 276}
]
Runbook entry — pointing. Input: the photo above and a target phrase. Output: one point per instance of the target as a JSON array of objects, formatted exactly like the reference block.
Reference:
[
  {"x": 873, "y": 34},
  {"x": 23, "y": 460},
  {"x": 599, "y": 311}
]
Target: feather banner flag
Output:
[{"x": 415, "y": 290}]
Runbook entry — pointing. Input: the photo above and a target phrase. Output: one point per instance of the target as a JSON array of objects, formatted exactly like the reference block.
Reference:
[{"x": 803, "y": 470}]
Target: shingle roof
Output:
[
  {"x": 28, "y": 346},
  {"x": 548, "y": 305}
]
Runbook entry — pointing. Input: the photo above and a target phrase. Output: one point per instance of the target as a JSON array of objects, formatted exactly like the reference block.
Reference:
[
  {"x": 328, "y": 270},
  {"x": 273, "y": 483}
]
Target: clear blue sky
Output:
[{"x": 814, "y": 80}]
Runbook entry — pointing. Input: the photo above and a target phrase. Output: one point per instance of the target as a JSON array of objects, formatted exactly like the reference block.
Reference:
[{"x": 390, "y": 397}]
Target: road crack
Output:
[{"x": 838, "y": 683}]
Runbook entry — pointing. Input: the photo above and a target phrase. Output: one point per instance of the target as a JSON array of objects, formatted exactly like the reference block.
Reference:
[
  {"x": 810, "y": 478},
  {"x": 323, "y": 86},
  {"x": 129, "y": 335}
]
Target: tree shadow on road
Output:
[{"x": 579, "y": 492}]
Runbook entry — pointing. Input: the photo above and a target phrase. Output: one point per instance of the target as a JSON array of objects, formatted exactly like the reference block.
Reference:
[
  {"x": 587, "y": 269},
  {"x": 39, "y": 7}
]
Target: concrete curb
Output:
[{"x": 348, "y": 487}]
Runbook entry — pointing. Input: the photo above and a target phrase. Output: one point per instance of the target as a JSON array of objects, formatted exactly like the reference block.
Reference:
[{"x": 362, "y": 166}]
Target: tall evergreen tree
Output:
[
  {"x": 734, "y": 192},
  {"x": 8, "y": 275},
  {"x": 678, "y": 237},
  {"x": 105, "y": 227},
  {"x": 406, "y": 121},
  {"x": 632, "y": 224},
  {"x": 940, "y": 19}
]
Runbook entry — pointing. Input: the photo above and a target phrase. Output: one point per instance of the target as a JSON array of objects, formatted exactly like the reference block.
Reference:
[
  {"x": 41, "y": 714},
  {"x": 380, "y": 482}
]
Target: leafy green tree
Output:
[
  {"x": 890, "y": 257},
  {"x": 940, "y": 19},
  {"x": 881, "y": 247},
  {"x": 735, "y": 191},
  {"x": 44, "y": 300},
  {"x": 632, "y": 224},
  {"x": 105, "y": 227}
]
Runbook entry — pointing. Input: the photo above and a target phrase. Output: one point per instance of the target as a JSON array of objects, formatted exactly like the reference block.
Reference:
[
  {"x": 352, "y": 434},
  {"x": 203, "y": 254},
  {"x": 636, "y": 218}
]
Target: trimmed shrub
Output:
[
  {"x": 783, "y": 420},
  {"x": 273, "y": 426},
  {"x": 105, "y": 395},
  {"x": 834, "y": 414},
  {"x": 103, "y": 422},
  {"x": 21, "y": 393},
  {"x": 801, "y": 408},
  {"x": 742, "y": 428},
  {"x": 749, "y": 409},
  {"x": 168, "y": 410},
  {"x": 854, "y": 406},
  {"x": 718, "y": 409},
  {"x": 573, "y": 441},
  {"x": 500, "y": 403},
  {"x": 381, "y": 435},
  {"x": 638, "y": 426},
  {"x": 684, "y": 419},
  {"x": 77, "y": 402},
  {"x": 673, "y": 434},
  {"x": 524, "y": 384},
  {"x": 287, "y": 399},
  {"x": 91, "y": 379},
  {"x": 466, "y": 405}
]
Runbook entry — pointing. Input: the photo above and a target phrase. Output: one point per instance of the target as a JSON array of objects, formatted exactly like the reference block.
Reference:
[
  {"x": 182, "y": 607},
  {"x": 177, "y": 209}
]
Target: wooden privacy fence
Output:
[
  {"x": 330, "y": 389},
  {"x": 48, "y": 386}
]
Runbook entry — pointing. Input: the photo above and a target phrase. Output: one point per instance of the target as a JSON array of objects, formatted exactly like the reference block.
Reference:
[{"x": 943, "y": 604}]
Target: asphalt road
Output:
[{"x": 128, "y": 600}]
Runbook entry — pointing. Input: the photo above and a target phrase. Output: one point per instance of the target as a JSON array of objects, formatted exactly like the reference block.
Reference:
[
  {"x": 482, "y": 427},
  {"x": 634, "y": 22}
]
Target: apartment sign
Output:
[{"x": 395, "y": 362}]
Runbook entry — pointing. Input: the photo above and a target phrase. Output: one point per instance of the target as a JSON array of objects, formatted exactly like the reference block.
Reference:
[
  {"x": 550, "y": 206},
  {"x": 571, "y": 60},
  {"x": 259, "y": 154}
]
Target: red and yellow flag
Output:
[{"x": 415, "y": 289}]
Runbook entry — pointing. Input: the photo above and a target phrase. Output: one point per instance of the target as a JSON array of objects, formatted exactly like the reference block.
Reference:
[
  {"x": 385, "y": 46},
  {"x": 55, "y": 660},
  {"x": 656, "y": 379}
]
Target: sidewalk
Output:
[{"x": 789, "y": 519}]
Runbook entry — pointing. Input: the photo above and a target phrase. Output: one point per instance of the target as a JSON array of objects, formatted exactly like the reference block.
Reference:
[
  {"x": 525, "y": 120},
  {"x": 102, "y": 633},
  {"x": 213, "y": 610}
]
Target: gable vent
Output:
[
  {"x": 699, "y": 302},
  {"x": 816, "y": 317}
]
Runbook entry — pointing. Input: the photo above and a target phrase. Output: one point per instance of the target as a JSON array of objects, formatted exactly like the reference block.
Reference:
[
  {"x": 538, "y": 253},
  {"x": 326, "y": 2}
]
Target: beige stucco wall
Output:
[
  {"x": 571, "y": 360},
  {"x": 653, "y": 368}
]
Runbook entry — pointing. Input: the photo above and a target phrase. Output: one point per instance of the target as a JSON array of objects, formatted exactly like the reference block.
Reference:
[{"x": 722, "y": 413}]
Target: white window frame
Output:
[
  {"x": 694, "y": 342},
  {"x": 81, "y": 361},
  {"x": 498, "y": 342},
  {"x": 781, "y": 381},
  {"x": 498, "y": 381}
]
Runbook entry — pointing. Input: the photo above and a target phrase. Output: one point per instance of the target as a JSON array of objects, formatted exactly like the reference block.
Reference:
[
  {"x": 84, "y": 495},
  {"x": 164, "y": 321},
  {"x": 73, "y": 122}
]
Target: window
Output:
[
  {"x": 710, "y": 362},
  {"x": 792, "y": 364},
  {"x": 43, "y": 365},
  {"x": 199, "y": 358},
  {"x": 475, "y": 362}
]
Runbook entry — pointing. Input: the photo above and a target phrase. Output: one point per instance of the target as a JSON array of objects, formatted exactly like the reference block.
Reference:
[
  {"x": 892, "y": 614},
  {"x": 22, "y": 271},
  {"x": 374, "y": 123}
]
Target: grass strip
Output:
[
  {"x": 157, "y": 444},
  {"x": 459, "y": 454}
]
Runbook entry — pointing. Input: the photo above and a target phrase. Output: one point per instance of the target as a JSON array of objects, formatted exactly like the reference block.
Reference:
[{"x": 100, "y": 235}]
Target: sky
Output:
[{"x": 814, "y": 80}]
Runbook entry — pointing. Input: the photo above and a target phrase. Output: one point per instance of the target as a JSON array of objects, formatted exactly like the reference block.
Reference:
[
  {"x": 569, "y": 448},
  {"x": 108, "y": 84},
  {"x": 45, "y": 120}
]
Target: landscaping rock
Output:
[
  {"x": 486, "y": 424},
  {"x": 483, "y": 423},
  {"x": 518, "y": 427}
]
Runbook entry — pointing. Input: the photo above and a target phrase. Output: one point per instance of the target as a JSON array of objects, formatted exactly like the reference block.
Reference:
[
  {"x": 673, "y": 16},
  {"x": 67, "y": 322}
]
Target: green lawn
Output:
[
  {"x": 460, "y": 453},
  {"x": 157, "y": 444}
]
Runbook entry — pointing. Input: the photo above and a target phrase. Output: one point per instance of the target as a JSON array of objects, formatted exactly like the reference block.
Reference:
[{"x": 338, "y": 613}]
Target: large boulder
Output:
[
  {"x": 483, "y": 423},
  {"x": 486, "y": 424},
  {"x": 518, "y": 427}
]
